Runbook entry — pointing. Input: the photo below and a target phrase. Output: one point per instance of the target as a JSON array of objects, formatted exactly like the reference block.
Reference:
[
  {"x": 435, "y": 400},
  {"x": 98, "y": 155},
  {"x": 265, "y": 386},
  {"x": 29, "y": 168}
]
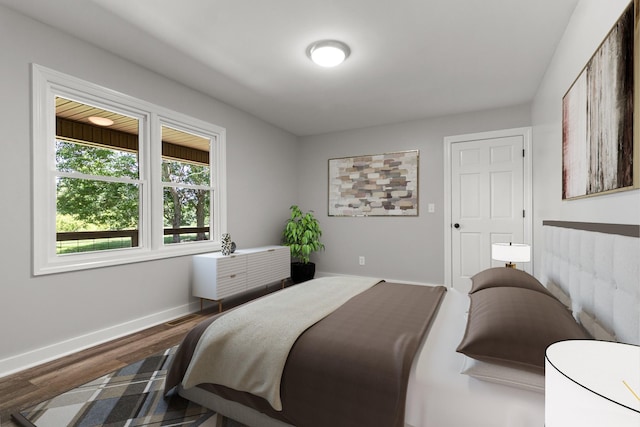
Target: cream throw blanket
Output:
[{"x": 246, "y": 349}]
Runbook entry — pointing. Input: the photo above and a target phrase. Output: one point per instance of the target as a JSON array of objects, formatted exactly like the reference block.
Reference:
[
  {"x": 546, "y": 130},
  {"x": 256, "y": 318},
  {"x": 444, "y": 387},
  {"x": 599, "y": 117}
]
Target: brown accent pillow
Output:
[
  {"x": 514, "y": 326},
  {"x": 498, "y": 277}
]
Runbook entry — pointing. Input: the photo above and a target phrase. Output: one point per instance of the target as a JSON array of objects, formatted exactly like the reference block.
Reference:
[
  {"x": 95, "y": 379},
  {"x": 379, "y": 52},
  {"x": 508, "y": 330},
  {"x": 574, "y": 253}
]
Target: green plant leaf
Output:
[{"x": 301, "y": 233}]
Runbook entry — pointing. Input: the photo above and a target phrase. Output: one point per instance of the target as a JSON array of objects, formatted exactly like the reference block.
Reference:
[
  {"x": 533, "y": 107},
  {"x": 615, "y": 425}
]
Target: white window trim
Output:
[{"x": 47, "y": 84}]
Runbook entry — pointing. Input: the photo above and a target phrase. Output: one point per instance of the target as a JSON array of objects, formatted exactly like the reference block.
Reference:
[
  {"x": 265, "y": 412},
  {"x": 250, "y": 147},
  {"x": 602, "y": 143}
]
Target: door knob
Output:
[{"x": 456, "y": 225}]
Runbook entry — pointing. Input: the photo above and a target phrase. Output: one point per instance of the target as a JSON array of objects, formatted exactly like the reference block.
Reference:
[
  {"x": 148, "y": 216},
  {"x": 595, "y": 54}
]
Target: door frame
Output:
[{"x": 525, "y": 132}]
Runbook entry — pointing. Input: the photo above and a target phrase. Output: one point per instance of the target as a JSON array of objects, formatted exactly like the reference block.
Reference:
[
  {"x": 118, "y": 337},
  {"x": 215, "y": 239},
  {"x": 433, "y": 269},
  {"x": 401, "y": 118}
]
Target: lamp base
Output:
[{"x": 510, "y": 265}]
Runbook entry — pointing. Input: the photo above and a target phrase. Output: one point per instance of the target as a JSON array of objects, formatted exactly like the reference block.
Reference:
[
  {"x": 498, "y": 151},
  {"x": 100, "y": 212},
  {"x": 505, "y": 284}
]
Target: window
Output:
[
  {"x": 118, "y": 180},
  {"x": 97, "y": 177},
  {"x": 186, "y": 177}
]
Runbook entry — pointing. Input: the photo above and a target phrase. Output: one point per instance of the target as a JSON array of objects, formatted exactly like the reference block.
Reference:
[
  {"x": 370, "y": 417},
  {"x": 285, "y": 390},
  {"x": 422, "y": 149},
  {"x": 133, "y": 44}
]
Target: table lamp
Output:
[
  {"x": 511, "y": 253},
  {"x": 590, "y": 383}
]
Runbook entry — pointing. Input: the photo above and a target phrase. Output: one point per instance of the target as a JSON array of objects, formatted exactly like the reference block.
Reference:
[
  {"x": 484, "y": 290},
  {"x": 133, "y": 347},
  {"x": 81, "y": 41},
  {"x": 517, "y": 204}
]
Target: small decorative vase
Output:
[{"x": 226, "y": 244}]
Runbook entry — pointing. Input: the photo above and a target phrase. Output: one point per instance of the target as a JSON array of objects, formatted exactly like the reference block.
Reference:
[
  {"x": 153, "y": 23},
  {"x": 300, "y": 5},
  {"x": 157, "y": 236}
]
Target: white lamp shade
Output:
[
  {"x": 511, "y": 252},
  {"x": 584, "y": 384}
]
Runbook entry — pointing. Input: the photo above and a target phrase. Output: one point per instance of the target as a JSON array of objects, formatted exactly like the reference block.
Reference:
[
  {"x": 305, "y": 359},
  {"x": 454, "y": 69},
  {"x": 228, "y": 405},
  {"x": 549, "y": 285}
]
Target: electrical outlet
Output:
[{"x": 361, "y": 260}]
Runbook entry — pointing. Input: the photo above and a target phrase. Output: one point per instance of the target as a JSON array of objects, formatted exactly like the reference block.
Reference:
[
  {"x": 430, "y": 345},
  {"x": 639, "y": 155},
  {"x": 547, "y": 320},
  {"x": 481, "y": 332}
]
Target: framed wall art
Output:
[
  {"x": 598, "y": 148},
  {"x": 374, "y": 185}
]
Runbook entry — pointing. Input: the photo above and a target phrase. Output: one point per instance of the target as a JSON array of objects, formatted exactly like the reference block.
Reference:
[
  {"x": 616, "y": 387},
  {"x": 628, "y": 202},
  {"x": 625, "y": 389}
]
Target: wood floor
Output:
[{"x": 26, "y": 388}]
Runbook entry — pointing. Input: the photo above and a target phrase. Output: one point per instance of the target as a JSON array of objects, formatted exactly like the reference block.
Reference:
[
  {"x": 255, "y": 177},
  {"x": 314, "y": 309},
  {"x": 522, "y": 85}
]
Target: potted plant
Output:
[{"x": 302, "y": 235}]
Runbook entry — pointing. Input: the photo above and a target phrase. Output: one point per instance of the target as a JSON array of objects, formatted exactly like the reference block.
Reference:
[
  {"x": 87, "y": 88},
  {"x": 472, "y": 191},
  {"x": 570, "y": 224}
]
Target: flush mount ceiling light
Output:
[
  {"x": 328, "y": 53},
  {"x": 100, "y": 121}
]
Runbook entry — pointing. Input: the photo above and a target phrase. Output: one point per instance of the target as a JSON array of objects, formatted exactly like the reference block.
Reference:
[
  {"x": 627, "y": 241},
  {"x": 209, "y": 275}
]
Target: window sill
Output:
[{"x": 75, "y": 262}]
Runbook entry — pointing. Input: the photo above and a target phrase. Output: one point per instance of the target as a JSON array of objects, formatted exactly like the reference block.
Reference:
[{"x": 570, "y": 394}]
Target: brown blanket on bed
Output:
[{"x": 349, "y": 369}]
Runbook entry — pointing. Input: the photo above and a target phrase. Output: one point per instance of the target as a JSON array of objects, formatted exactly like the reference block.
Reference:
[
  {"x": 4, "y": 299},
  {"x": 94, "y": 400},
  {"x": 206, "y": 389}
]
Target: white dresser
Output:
[{"x": 216, "y": 276}]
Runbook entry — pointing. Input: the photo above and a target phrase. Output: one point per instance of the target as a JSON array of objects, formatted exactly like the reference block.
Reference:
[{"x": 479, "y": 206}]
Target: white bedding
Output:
[{"x": 513, "y": 377}]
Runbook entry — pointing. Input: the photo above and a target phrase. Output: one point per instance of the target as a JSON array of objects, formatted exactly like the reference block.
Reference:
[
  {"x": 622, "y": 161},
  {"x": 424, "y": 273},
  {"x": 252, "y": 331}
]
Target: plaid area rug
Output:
[{"x": 131, "y": 396}]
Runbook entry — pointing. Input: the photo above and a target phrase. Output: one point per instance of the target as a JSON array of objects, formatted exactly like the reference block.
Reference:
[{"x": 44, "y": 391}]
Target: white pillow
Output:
[{"x": 504, "y": 375}]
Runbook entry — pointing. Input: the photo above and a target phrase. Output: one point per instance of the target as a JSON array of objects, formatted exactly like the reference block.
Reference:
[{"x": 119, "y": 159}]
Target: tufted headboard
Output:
[{"x": 598, "y": 267}]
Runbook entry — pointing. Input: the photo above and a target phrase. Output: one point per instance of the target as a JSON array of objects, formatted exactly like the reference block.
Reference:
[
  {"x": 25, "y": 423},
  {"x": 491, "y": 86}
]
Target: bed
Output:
[
  {"x": 437, "y": 395},
  {"x": 600, "y": 295}
]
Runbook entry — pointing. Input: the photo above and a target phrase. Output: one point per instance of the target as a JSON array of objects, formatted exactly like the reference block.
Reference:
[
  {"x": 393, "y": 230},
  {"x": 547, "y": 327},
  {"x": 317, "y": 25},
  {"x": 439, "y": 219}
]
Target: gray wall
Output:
[
  {"x": 405, "y": 248},
  {"x": 69, "y": 310},
  {"x": 589, "y": 24}
]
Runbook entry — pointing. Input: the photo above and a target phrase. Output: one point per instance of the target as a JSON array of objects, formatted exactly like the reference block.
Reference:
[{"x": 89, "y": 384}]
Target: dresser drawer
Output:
[
  {"x": 230, "y": 285},
  {"x": 268, "y": 266},
  {"x": 232, "y": 264}
]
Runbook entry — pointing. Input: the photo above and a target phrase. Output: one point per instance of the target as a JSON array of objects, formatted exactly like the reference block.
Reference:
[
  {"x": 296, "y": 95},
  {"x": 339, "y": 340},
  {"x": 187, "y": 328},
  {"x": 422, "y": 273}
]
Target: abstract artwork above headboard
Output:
[{"x": 598, "y": 266}]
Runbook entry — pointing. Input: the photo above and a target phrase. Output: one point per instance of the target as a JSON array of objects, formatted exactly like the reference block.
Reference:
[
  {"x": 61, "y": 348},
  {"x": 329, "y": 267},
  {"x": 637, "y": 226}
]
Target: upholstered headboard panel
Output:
[{"x": 598, "y": 266}]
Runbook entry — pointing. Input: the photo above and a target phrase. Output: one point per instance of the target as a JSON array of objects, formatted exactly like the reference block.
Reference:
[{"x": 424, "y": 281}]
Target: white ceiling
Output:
[{"x": 410, "y": 59}]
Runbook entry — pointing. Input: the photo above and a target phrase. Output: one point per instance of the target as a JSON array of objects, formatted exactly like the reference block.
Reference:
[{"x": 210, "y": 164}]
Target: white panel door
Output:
[{"x": 487, "y": 203}]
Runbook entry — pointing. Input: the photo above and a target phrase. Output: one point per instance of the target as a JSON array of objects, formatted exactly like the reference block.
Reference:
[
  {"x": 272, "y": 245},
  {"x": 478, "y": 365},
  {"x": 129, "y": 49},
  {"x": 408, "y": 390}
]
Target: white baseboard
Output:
[{"x": 51, "y": 352}]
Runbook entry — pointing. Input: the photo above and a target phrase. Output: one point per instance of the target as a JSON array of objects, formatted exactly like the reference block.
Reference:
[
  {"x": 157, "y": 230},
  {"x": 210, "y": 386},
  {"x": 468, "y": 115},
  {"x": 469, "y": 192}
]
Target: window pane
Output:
[
  {"x": 87, "y": 144},
  {"x": 184, "y": 173},
  {"x": 186, "y": 214},
  {"x": 185, "y": 157},
  {"x": 95, "y": 215},
  {"x": 91, "y": 160}
]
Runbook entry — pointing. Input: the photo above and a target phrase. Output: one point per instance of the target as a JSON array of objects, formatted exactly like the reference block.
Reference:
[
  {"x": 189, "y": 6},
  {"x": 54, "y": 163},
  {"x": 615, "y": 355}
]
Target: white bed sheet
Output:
[{"x": 439, "y": 395}]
